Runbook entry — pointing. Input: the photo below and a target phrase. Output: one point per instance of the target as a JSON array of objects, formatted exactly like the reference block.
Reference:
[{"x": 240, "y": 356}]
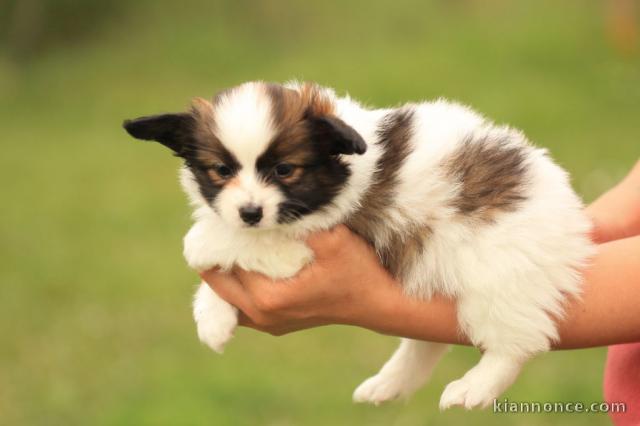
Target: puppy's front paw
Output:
[
  {"x": 198, "y": 250},
  {"x": 216, "y": 327},
  {"x": 215, "y": 333},
  {"x": 199, "y": 258},
  {"x": 379, "y": 388}
]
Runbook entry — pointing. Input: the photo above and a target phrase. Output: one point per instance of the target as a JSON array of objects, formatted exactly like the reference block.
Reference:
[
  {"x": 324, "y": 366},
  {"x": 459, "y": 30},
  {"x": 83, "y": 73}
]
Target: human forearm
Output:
[
  {"x": 606, "y": 313},
  {"x": 387, "y": 310}
]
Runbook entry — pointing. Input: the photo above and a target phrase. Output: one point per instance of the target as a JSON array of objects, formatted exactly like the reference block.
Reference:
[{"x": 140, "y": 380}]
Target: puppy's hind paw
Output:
[
  {"x": 463, "y": 393},
  {"x": 378, "y": 389}
]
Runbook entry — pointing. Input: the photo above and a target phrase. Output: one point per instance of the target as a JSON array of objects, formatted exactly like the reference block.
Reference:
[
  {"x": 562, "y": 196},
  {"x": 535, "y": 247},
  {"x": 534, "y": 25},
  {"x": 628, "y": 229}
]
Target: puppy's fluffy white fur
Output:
[{"x": 509, "y": 275}]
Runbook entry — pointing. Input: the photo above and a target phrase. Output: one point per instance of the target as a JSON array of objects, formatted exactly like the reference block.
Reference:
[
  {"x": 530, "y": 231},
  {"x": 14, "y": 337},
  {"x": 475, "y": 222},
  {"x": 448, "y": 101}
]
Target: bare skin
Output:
[{"x": 347, "y": 285}]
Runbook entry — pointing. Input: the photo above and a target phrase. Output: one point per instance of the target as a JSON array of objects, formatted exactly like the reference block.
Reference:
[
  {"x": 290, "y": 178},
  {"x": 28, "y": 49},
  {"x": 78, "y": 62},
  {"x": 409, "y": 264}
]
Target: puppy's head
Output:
[{"x": 259, "y": 154}]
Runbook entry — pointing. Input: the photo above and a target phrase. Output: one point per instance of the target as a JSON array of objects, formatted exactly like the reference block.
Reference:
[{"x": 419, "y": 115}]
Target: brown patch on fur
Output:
[
  {"x": 219, "y": 180},
  {"x": 402, "y": 250},
  {"x": 317, "y": 103},
  {"x": 204, "y": 146},
  {"x": 290, "y": 106},
  {"x": 372, "y": 220},
  {"x": 492, "y": 175},
  {"x": 294, "y": 176},
  {"x": 202, "y": 109}
]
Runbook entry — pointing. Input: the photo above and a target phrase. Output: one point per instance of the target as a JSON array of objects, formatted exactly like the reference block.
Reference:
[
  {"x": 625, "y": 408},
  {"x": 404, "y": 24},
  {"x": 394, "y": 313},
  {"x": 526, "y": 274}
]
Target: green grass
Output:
[{"x": 94, "y": 294}]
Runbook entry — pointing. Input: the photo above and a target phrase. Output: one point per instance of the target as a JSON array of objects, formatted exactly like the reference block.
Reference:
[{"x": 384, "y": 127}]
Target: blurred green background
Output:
[{"x": 94, "y": 293}]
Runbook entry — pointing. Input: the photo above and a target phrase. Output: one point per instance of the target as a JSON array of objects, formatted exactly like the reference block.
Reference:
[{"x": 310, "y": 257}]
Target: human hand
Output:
[
  {"x": 343, "y": 284},
  {"x": 616, "y": 213}
]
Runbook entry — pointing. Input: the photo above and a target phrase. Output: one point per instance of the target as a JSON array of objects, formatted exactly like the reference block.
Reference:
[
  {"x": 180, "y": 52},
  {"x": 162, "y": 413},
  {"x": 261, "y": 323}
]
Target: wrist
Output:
[
  {"x": 388, "y": 310},
  {"x": 373, "y": 305}
]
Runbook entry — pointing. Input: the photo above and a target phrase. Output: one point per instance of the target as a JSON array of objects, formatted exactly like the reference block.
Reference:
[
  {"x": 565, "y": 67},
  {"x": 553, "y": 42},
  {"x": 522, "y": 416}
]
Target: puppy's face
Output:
[{"x": 260, "y": 154}]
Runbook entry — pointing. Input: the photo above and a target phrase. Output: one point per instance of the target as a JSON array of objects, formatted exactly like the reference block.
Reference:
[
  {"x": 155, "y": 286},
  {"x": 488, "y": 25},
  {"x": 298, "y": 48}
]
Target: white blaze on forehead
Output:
[{"x": 244, "y": 122}]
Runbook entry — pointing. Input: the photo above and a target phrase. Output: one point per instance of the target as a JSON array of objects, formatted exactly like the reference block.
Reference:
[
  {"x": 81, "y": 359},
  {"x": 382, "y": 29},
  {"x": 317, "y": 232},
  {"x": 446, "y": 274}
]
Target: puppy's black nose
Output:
[{"x": 251, "y": 214}]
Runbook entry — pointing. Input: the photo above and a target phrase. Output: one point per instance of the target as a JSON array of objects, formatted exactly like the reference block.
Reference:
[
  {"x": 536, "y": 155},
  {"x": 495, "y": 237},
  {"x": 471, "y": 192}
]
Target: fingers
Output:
[
  {"x": 227, "y": 287},
  {"x": 251, "y": 281},
  {"x": 326, "y": 242},
  {"x": 269, "y": 297},
  {"x": 245, "y": 321}
]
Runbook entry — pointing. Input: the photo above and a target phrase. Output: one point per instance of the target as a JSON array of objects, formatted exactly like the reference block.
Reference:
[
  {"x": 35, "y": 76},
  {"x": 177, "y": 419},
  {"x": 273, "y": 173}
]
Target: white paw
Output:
[
  {"x": 216, "y": 320},
  {"x": 199, "y": 251},
  {"x": 483, "y": 383},
  {"x": 379, "y": 388},
  {"x": 200, "y": 264},
  {"x": 216, "y": 332},
  {"x": 199, "y": 258},
  {"x": 467, "y": 394}
]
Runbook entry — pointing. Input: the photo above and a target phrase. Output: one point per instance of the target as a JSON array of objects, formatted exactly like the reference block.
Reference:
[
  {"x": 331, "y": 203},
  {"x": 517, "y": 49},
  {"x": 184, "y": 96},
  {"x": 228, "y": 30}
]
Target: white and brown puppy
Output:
[{"x": 453, "y": 204}]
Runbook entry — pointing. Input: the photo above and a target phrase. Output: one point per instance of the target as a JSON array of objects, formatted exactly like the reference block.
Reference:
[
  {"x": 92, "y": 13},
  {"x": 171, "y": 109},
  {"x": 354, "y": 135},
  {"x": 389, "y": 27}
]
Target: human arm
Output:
[
  {"x": 616, "y": 213},
  {"x": 347, "y": 285}
]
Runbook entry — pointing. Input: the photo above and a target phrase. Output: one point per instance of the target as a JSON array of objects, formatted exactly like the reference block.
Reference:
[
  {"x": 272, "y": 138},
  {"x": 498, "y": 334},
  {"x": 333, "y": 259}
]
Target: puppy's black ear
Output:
[
  {"x": 336, "y": 136},
  {"x": 171, "y": 130}
]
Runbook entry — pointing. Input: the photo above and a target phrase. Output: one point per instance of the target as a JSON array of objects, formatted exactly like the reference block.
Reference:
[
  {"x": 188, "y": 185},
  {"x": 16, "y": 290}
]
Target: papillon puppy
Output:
[{"x": 453, "y": 204}]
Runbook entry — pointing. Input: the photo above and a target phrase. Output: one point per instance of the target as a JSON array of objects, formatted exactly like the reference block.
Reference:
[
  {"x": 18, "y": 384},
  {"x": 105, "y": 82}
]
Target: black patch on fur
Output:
[
  {"x": 208, "y": 188},
  {"x": 198, "y": 158},
  {"x": 322, "y": 176},
  {"x": 336, "y": 137},
  {"x": 171, "y": 130}
]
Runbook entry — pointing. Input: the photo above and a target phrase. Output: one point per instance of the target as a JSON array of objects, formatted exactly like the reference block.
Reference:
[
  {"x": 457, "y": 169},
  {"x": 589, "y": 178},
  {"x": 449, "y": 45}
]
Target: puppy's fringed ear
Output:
[
  {"x": 336, "y": 136},
  {"x": 202, "y": 108},
  {"x": 171, "y": 130}
]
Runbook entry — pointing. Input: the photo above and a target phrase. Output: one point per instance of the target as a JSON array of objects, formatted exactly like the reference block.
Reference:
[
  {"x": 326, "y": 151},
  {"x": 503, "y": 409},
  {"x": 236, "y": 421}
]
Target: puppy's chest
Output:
[{"x": 209, "y": 244}]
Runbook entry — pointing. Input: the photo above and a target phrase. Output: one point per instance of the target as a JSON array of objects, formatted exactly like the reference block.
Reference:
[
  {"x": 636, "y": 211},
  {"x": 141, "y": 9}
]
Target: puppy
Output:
[{"x": 452, "y": 203}]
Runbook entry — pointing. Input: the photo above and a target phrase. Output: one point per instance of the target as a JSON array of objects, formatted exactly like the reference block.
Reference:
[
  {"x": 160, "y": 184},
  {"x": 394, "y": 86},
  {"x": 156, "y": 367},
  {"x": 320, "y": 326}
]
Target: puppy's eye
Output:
[
  {"x": 283, "y": 170},
  {"x": 223, "y": 171}
]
